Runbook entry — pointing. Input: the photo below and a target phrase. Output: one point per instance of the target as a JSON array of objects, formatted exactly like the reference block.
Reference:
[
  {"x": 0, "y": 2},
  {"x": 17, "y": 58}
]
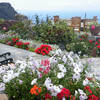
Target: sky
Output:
[{"x": 55, "y": 5}]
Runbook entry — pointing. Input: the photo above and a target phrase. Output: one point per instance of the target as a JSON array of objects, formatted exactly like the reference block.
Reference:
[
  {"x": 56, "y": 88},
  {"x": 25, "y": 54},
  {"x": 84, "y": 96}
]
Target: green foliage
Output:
[
  {"x": 78, "y": 48},
  {"x": 51, "y": 33},
  {"x": 1, "y": 21},
  {"x": 23, "y": 28},
  {"x": 19, "y": 88},
  {"x": 81, "y": 46}
]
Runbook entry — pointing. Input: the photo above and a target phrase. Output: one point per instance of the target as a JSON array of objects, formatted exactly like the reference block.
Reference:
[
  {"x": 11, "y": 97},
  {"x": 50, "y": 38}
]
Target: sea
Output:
[{"x": 61, "y": 14}]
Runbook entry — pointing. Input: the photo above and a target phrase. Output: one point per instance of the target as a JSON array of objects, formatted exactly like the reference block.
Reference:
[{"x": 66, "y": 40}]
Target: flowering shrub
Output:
[
  {"x": 52, "y": 33},
  {"x": 5, "y": 25},
  {"x": 12, "y": 41},
  {"x": 83, "y": 46},
  {"x": 61, "y": 77},
  {"x": 43, "y": 49},
  {"x": 19, "y": 44}
]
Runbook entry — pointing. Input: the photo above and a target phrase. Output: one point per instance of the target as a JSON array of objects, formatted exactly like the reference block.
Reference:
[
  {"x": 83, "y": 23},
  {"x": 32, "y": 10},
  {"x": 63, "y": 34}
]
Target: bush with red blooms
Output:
[
  {"x": 43, "y": 49},
  {"x": 22, "y": 45},
  {"x": 12, "y": 41},
  {"x": 48, "y": 96},
  {"x": 19, "y": 44},
  {"x": 87, "y": 88},
  {"x": 93, "y": 97},
  {"x": 64, "y": 93},
  {"x": 89, "y": 45}
]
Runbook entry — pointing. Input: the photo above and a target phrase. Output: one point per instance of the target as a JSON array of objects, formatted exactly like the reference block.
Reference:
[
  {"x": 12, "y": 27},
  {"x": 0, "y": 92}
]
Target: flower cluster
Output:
[
  {"x": 12, "y": 41},
  {"x": 91, "y": 44},
  {"x": 61, "y": 77},
  {"x": 15, "y": 42},
  {"x": 35, "y": 90},
  {"x": 43, "y": 49}
]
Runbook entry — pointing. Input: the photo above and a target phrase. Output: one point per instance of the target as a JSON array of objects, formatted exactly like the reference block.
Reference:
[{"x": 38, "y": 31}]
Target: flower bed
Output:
[
  {"x": 30, "y": 45},
  {"x": 19, "y": 44},
  {"x": 84, "y": 46},
  {"x": 43, "y": 49},
  {"x": 62, "y": 77}
]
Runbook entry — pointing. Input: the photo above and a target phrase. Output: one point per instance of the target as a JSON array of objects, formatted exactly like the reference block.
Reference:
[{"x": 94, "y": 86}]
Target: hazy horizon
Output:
[
  {"x": 63, "y": 8},
  {"x": 62, "y": 14},
  {"x": 55, "y": 5}
]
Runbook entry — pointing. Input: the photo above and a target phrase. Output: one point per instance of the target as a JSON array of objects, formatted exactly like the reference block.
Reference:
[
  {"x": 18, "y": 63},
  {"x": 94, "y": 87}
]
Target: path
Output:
[{"x": 20, "y": 54}]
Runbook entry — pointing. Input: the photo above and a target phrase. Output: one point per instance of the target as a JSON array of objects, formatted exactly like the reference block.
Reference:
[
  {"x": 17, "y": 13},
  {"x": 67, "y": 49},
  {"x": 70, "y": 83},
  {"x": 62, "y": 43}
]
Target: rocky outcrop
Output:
[{"x": 7, "y": 12}]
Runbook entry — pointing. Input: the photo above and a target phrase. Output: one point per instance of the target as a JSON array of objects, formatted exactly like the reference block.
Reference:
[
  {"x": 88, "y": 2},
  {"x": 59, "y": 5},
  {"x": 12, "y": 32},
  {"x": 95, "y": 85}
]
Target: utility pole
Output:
[{"x": 85, "y": 26}]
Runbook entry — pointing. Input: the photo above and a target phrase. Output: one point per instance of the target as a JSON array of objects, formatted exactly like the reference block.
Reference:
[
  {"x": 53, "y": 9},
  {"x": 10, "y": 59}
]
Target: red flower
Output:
[
  {"x": 19, "y": 43},
  {"x": 26, "y": 43},
  {"x": 40, "y": 69},
  {"x": 88, "y": 88},
  {"x": 9, "y": 43},
  {"x": 86, "y": 34},
  {"x": 93, "y": 97},
  {"x": 96, "y": 43},
  {"x": 83, "y": 36},
  {"x": 66, "y": 92},
  {"x": 48, "y": 96},
  {"x": 99, "y": 40},
  {"x": 90, "y": 41},
  {"x": 98, "y": 46},
  {"x": 43, "y": 49},
  {"x": 60, "y": 96},
  {"x": 15, "y": 39},
  {"x": 80, "y": 39},
  {"x": 27, "y": 48}
]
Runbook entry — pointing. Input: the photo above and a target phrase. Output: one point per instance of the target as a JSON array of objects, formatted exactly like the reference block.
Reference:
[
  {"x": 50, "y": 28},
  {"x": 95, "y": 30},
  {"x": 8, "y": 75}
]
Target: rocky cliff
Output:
[{"x": 7, "y": 12}]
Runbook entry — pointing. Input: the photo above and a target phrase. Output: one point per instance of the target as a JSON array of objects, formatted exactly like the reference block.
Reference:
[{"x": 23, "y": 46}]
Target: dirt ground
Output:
[{"x": 3, "y": 97}]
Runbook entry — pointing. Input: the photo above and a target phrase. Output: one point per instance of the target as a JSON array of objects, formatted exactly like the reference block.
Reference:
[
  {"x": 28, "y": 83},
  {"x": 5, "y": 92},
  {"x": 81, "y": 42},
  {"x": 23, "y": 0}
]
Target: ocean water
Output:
[{"x": 62, "y": 14}]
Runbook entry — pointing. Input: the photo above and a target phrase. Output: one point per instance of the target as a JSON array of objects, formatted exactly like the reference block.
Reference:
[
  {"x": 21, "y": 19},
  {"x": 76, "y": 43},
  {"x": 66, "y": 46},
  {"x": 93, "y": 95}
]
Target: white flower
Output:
[
  {"x": 63, "y": 98},
  {"x": 85, "y": 82},
  {"x": 56, "y": 89},
  {"x": 60, "y": 86},
  {"x": 83, "y": 95},
  {"x": 77, "y": 70},
  {"x": 76, "y": 76},
  {"x": 53, "y": 60},
  {"x": 49, "y": 86},
  {"x": 34, "y": 81},
  {"x": 80, "y": 91},
  {"x": 62, "y": 68},
  {"x": 48, "y": 80},
  {"x": 6, "y": 79},
  {"x": 76, "y": 93},
  {"x": 58, "y": 52},
  {"x": 64, "y": 59},
  {"x": 60, "y": 75},
  {"x": 2, "y": 87}
]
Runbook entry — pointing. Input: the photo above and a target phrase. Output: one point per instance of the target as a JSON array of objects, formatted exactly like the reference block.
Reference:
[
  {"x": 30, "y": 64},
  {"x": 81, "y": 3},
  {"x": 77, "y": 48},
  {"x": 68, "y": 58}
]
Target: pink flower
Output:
[
  {"x": 40, "y": 75},
  {"x": 96, "y": 43},
  {"x": 93, "y": 27},
  {"x": 4, "y": 28},
  {"x": 90, "y": 41},
  {"x": 98, "y": 46}
]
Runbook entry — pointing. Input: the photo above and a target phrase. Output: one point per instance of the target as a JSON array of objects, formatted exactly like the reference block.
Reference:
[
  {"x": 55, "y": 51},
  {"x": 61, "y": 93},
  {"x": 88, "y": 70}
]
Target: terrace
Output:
[{"x": 50, "y": 52}]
